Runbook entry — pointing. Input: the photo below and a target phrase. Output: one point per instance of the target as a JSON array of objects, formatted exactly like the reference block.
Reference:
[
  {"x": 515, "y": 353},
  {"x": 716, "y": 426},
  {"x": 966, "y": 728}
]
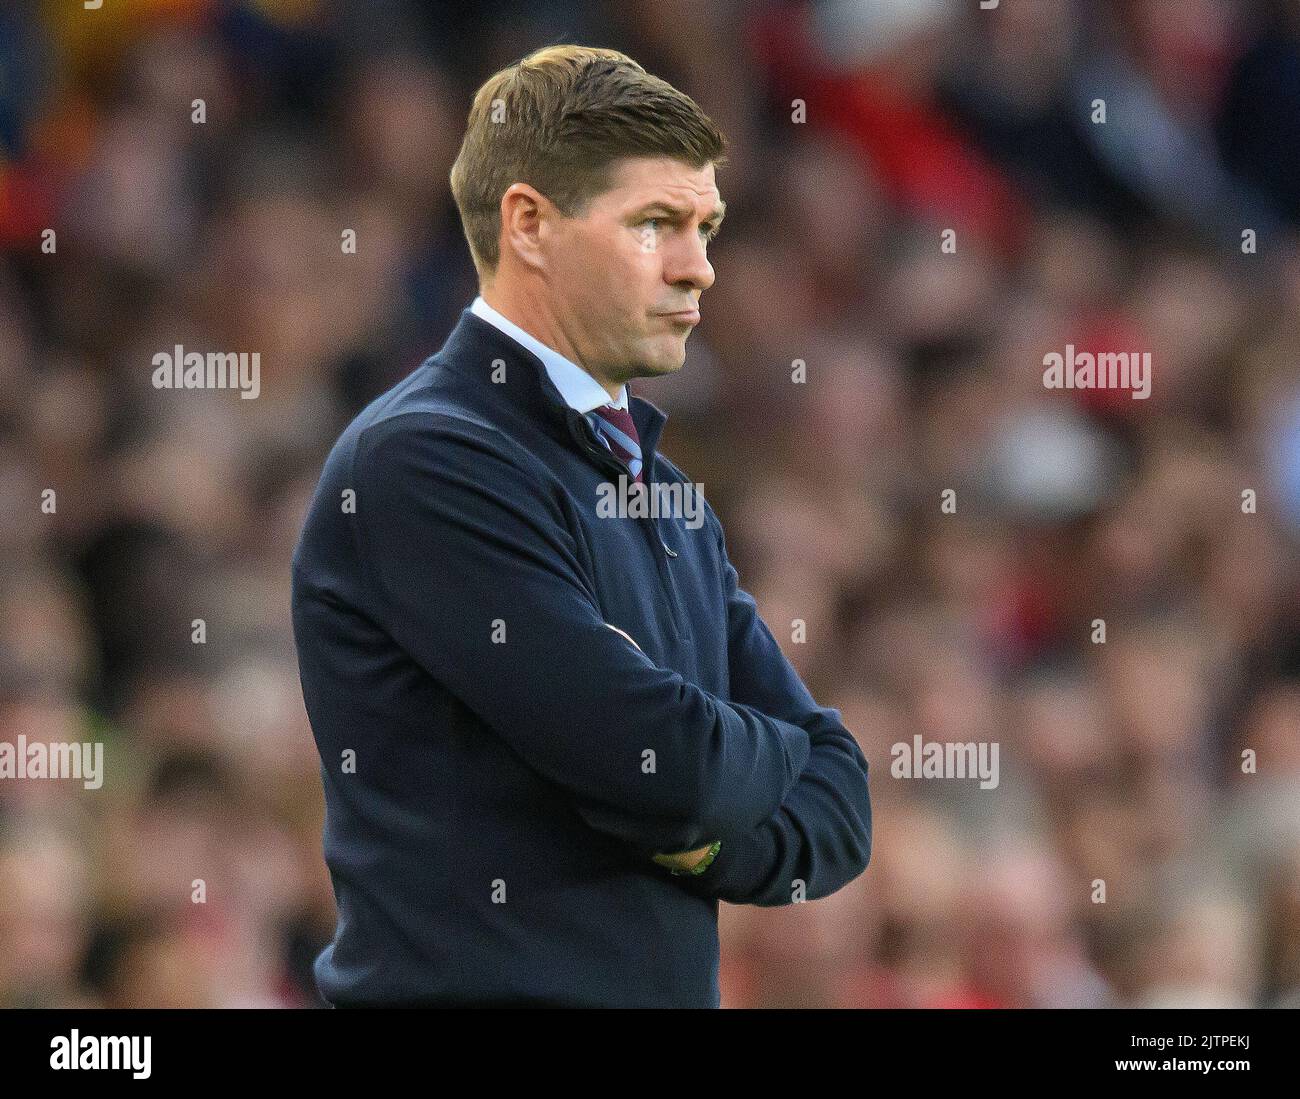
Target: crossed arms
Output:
[{"x": 456, "y": 533}]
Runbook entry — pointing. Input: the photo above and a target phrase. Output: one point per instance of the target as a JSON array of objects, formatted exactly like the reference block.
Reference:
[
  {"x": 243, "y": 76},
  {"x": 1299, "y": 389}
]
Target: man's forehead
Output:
[{"x": 639, "y": 180}]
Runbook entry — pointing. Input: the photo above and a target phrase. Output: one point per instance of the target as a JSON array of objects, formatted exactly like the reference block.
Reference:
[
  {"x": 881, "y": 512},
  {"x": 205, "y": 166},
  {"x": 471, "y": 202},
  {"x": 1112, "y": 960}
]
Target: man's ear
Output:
[{"x": 523, "y": 210}]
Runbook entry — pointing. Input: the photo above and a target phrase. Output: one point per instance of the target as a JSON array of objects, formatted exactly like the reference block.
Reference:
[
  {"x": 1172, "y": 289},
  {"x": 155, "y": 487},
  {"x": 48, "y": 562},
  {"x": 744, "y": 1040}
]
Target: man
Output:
[{"x": 554, "y": 737}]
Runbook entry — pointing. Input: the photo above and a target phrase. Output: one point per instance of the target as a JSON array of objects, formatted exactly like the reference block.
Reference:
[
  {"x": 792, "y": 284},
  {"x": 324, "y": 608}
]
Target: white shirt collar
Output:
[{"x": 578, "y": 388}]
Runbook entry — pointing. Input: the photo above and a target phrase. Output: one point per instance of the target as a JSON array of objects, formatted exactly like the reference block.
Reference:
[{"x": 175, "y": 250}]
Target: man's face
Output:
[{"x": 631, "y": 259}]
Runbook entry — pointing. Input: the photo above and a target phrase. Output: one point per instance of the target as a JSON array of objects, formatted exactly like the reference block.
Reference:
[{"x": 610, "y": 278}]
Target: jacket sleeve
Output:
[
  {"x": 821, "y": 834},
  {"x": 476, "y": 576}
]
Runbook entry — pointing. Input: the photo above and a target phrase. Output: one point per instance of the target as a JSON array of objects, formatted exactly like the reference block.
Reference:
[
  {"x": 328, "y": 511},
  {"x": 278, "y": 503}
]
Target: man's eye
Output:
[{"x": 653, "y": 223}]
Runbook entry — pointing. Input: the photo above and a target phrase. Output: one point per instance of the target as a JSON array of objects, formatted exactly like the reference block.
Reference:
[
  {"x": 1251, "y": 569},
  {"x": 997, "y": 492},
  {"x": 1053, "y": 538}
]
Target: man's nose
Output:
[{"x": 690, "y": 264}]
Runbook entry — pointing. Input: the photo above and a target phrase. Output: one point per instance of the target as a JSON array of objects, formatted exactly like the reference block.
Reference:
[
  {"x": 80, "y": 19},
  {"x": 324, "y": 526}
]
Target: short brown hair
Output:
[{"x": 558, "y": 120}]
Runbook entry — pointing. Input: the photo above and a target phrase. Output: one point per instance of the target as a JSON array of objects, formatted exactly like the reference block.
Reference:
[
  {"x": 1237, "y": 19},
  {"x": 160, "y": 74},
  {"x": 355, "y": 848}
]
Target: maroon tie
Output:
[{"x": 616, "y": 427}]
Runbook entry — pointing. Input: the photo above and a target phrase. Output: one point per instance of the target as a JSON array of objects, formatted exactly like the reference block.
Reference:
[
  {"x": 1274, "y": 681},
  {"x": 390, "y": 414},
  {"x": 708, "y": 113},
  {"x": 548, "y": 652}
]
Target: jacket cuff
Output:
[{"x": 739, "y": 871}]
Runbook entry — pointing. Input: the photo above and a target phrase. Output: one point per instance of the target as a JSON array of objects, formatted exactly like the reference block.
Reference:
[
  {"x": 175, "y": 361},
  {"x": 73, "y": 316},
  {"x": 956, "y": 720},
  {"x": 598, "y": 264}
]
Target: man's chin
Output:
[{"x": 663, "y": 361}]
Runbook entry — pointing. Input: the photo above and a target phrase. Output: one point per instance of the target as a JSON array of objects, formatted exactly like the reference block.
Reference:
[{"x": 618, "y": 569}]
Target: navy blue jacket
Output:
[{"x": 499, "y": 763}]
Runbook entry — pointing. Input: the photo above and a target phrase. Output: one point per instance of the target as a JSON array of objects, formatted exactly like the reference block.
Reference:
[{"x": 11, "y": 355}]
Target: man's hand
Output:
[{"x": 683, "y": 860}]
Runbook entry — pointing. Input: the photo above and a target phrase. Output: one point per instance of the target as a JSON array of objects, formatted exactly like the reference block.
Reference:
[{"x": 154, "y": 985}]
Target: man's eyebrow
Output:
[{"x": 715, "y": 216}]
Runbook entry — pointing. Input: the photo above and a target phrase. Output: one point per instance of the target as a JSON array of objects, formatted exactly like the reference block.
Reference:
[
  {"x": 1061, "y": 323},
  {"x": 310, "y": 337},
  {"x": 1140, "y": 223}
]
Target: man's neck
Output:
[{"x": 541, "y": 327}]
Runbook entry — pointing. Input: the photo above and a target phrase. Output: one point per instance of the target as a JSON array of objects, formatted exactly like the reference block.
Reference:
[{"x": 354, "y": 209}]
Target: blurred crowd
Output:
[{"x": 1142, "y": 846}]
